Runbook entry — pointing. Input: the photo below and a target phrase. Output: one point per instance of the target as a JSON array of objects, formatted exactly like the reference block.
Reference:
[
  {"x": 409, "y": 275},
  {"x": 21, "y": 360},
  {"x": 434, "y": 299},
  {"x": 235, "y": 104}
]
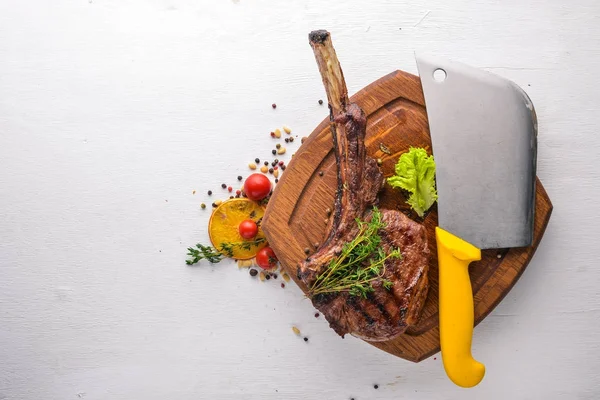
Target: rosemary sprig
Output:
[
  {"x": 227, "y": 247},
  {"x": 361, "y": 262}
]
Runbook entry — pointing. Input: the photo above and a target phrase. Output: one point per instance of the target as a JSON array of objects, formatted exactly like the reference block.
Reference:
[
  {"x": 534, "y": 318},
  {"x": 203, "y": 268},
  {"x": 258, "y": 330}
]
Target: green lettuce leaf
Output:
[{"x": 415, "y": 173}]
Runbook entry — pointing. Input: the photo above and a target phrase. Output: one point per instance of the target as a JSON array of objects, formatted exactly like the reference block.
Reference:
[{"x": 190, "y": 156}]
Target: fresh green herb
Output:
[
  {"x": 415, "y": 173},
  {"x": 388, "y": 284},
  {"x": 214, "y": 256},
  {"x": 227, "y": 248},
  {"x": 202, "y": 252},
  {"x": 361, "y": 262}
]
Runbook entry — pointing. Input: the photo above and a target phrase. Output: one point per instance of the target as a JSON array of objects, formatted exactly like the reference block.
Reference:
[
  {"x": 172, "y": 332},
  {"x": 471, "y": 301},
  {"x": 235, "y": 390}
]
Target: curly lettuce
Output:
[{"x": 415, "y": 173}]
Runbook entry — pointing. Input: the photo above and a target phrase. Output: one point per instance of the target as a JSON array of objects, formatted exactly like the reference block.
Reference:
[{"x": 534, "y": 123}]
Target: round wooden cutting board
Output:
[{"x": 396, "y": 120}]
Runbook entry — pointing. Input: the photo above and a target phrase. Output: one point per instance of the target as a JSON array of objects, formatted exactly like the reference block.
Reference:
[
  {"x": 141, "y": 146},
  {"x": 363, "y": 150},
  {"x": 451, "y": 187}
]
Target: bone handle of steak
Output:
[{"x": 330, "y": 69}]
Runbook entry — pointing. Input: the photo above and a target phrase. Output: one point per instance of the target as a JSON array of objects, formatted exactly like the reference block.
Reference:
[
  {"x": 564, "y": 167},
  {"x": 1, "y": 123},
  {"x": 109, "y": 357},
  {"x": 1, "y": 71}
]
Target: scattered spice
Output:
[
  {"x": 264, "y": 169},
  {"x": 303, "y": 139},
  {"x": 306, "y": 251},
  {"x": 276, "y": 180},
  {"x": 223, "y": 185},
  {"x": 376, "y": 386},
  {"x": 214, "y": 205},
  {"x": 317, "y": 315},
  {"x": 262, "y": 276},
  {"x": 230, "y": 189},
  {"x": 273, "y": 151},
  {"x": 276, "y": 133},
  {"x": 218, "y": 202},
  {"x": 231, "y": 197},
  {"x": 257, "y": 160},
  {"x": 252, "y": 166},
  {"x": 305, "y": 339},
  {"x": 278, "y": 146},
  {"x": 328, "y": 211},
  {"x": 276, "y": 173},
  {"x": 384, "y": 148},
  {"x": 271, "y": 170},
  {"x": 253, "y": 272},
  {"x": 287, "y": 140},
  {"x": 268, "y": 276},
  {"x": 266, "y": 163},
  {"x": 286, "y": 277},
  {"x": 202, "y": 206},
  {"x": 320, "y": 173},
  {"x": 281, "y": 151},
  {"x": 281, "y": 163},
  {"x": 240, "y": 178},
  {"x": 379, "y": 162},
  {"x": 291, "y": 139},
  {"x": 274, "y": 276},
  {"x": 287, "y": 129},
  {"x": 320, "y": 102},
  {"x": 283, "y": 167},
  {"x": 193, "y": 192},
  {"x": 274, "y": 105},
  {"x": 210, "y": 192},
  {"x": 282, "y": 285},
  {"x": 296, "y": 330}
]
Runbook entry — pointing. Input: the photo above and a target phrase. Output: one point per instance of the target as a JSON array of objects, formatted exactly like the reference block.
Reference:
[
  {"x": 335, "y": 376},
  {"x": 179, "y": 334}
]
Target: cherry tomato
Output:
[
  {"x": 257, "y": 187},
  {"x": 266, "y": 258},
  {"x": 248, "y": 229}
]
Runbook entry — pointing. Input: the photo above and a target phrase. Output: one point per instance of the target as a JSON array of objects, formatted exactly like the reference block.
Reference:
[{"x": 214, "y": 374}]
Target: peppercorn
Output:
[
  {"x": 275, "y": 167},
  {"x": 210, "y": 192},
  {"x": 317, "y": 315},
  {"x": 305, "y": 339},
  {"x": 253, "y": 272},
  {"x": 240, "y": 178},
  {"x": 291, "y": 139},
  {"x": 223, "y": 185},
  {"x": 273, "y": 152},
  {"x": 273, "y": 164},
  {"x": 229, "y": 189},
  {"x": 231, "y": 197},
  {"x": 376, "y": 386},
  {"x": 274, "y": 105},
  {"x": 278, "y": 146},
  {"x": 287, "y": 140},
  {"x": 275, "y": 161},
  {"x": 320, "y": 173},
  {"x": 214, "y": 205},
  {"x": 203, "y": 206},
  {"x": 268, "y": 276},
  {"x": 276, "y": 180},
  {"x": 281, "y": 163},
  {"x": 282, "y": 285},
  {"x": 320, "y": 102},
  {"x": 274, "y": 276},
  {"x": 257, "y": 160},
  {"x": 306, "y": 250},
  {"x": 270, "y": 170},
  {"x": 266, "y": 163},
  {"x": 238, "y": 192},
  {"x": 283, "y": 167}
]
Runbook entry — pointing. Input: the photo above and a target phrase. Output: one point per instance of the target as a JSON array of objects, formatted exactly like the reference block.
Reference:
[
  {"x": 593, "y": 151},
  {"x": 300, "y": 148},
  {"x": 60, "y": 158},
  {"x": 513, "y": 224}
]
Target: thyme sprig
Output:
[
  {"x": 213, "y": 255},
  {"x": 361, "y": 262}
]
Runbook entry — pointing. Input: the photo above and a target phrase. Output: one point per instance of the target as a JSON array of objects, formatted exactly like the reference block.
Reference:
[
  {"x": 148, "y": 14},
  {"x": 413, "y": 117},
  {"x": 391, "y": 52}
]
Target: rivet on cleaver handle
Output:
[{"x": 484, "y": 136}]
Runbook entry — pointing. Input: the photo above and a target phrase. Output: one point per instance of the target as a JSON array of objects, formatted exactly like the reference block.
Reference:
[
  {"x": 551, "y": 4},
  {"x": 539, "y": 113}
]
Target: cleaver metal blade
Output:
[{"x": 484, "y": 140}]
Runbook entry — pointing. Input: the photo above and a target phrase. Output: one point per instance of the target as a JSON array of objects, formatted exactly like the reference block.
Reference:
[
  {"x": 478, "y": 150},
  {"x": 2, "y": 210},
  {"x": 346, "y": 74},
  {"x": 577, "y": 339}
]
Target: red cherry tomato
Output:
[
  {"x": 266, "y": 258},
  {"x": 257, "y": 187},
  {"x": 248, "y": 229}
]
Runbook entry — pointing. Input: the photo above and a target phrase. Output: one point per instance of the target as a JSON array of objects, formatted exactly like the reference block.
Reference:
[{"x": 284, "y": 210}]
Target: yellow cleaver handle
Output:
[{"x": 456, "y": 308}]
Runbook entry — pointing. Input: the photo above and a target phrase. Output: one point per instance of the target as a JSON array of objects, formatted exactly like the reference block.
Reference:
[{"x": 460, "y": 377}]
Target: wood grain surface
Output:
[{"x": 296, "y": 217}]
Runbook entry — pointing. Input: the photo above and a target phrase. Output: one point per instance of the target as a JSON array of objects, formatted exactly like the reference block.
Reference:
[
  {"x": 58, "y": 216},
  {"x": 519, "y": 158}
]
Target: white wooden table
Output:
[{"x": 113, "y": 111}]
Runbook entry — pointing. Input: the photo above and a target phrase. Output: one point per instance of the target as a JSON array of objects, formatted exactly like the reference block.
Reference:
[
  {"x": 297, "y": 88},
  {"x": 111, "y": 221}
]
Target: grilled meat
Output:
[{"x": 384, "y": 313}]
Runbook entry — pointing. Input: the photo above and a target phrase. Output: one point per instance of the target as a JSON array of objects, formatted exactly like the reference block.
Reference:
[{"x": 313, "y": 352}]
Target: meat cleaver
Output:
[{"x": 484, "y": 137}]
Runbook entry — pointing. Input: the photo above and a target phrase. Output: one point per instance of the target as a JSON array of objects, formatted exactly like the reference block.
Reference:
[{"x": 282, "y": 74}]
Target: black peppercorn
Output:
[
  {"x": 274, "y": 105},
  {"x": 210, "y": 192},
  {"x": 239, "y": 178},
  {"x": 276, "y": 180},
  {"x": 376, "y": 386},
  {"x": 317, "y": 315},
  {"x": 320, "y": 102},
  {"x": 253, "y": 272},
  {"x": 224, "y": 186},
  {"x": 305, "y": 339},
  {"x": 270, "y": 170},
  {"x": 320, "y": 173},
  {"x": 274, "y": 276},
  {"x": 273, "y": 152},
  {"x": 278, "y": 146},
  {"x": 291, "y": 139},
  {"x": 257, "y": 160},
  {"x": 275, "y": 161},
  {"x": 214, "y": 205},
  {"x": 266, "y": 163},
  {"x": 282, "y": 285},
  {"x": 268, "y": 276},
  {"x": 287, "y": 140},
  {"x": 306, "y": 251},
  {"x": 231, "y": 197},
  {"x": 283, "y": 167}
]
